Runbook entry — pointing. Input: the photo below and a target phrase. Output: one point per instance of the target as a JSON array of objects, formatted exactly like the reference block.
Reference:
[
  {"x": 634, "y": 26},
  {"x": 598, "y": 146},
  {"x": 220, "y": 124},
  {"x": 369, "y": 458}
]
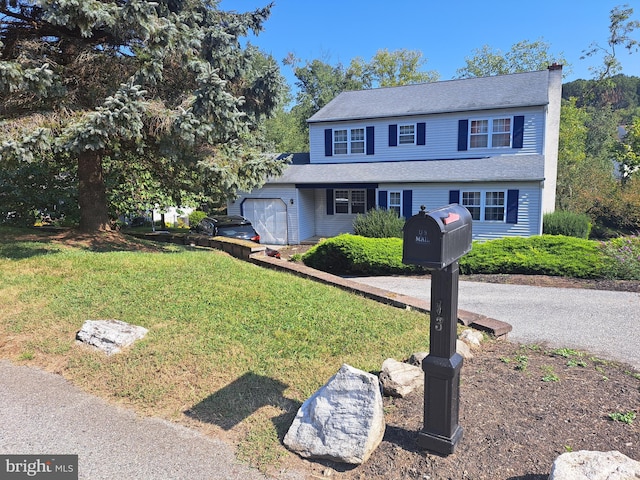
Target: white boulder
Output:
[
  {"x": 343, "y": 421},
  {"x": 587, "y": 465},
  {"x": 110, "y": 336},
  {"x": 399, "y": 379}
]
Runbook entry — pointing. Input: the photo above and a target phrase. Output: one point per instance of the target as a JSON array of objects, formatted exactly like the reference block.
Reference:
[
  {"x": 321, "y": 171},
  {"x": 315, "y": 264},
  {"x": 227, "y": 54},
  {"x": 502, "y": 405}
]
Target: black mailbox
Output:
[{"x": 437, "y": 238}]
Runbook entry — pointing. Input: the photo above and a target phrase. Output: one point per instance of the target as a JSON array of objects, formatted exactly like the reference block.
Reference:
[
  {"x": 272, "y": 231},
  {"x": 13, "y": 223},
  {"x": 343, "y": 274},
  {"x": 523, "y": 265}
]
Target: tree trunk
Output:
[{"x": 92, "y": 195}]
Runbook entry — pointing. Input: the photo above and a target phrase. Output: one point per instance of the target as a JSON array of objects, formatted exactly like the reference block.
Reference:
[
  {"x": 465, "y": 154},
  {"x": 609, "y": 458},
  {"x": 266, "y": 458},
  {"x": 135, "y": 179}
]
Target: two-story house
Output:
[{"x": 489, "y": 144}]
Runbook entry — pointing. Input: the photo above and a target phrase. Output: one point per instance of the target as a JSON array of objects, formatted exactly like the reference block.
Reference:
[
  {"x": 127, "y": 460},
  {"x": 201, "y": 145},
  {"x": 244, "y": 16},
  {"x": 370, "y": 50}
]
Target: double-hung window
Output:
[
  {"x": 490, "y": 133},
  {"x": 348, "y": 141},
  {"x": 350, "y": 201},
  {"x": 489, "y": 206},
  {"x": 395, "y": 202},
  {"x": 406, "y": 134}
]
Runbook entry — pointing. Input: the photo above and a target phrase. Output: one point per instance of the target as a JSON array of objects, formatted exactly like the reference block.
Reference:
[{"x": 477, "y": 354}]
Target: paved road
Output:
[
  {"x": 601, "y": 322},
  {"x": 42, "y": 414}
]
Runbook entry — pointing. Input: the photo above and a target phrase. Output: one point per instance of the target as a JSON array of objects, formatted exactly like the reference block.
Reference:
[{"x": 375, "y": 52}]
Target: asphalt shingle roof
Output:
[
  {"x": 471, "y": 94},
  {"x": 507, "y": 168}
]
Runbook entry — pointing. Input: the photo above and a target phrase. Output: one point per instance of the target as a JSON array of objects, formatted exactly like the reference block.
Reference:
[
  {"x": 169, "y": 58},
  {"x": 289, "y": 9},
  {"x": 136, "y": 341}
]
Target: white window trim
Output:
[
  {"x": 349, "y": 201},
  {"x": 393, "y": 205},
  {"x": 483, "y": 203},
  {"x": 349, "y": 141},
  {"x": 490, "y": 132},
  {"x": 415, "y": 134}
]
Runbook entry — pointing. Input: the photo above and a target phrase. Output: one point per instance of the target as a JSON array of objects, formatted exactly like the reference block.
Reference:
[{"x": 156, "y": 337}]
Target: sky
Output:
[{"x": 446, "y": 32}]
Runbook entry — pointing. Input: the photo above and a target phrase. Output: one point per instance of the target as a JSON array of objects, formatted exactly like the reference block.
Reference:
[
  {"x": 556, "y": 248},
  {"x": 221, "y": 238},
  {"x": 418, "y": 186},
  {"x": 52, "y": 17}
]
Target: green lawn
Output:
[{"x": 230, "y": 344}]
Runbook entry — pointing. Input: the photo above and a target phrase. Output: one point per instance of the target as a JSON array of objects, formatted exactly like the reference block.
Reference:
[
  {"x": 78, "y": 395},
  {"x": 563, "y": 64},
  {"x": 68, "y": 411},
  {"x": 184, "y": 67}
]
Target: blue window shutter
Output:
[
  {"x": 463, "y": 132},
  {"x": 518, "y": 131},
  {"x": 421, "y": 139},
  {"x": 393, "y": 135},
  {"x": 371, "y": 198},
  {"x": 328, "y": 142},
  {"x": 382, "y": 199},
  {"x": 407, "y": 203},
  {"x": 512, "y": 206},
  {"x": 454, "y": 196},
  {"x": 329, "y": 201},
  {"x": 370, "y": 141}
]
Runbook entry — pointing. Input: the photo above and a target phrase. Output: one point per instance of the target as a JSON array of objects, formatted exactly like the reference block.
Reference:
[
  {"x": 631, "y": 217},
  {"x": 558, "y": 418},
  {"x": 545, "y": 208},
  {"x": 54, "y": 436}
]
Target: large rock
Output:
[
  {"x": 399, "y": 379},
  {"x": 586, "y": 465},
  {"x": 463, "y": 350},
  {"x": 343, "y": 421},
  {"x": 110, "y": 336},
  {"x": 473, "y": 338}
]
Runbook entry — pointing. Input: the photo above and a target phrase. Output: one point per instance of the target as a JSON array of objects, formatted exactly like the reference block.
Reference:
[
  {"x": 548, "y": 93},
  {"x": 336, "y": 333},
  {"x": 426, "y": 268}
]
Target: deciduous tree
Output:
[
  {"x": 628, "y": 151},
  {"x": 524, "y": 56}
]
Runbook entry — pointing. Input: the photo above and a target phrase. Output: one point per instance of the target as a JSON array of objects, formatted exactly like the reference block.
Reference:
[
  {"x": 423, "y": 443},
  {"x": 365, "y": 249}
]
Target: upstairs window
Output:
[
  {"x": 478, "y": 137},
  {"x": 348, "y": 141},
  {"x": 406, "y": 134},
  {"x": 490, "y": 133},
  {"x": 357, "y": 140},
  {"x": 340, "y": 142},
  {"x": 501, "y": 132}
]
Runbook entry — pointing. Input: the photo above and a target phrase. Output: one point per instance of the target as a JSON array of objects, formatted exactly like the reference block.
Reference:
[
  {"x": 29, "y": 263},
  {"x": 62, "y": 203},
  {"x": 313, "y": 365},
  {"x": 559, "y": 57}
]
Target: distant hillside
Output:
[{"x": 622, "y": 92}]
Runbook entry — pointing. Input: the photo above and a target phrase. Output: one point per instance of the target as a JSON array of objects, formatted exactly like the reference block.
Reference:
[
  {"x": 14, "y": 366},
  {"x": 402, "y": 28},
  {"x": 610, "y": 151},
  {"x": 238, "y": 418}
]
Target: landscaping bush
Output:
[
  {"x": 358, "y": 255},
  {"x": 566, "y": 223},
  {"x": 195, "y": 217},
  {"x": 540, "y": 255},
  {"x": 622, "y": 258},
  {"x": 378, "y": 223}
]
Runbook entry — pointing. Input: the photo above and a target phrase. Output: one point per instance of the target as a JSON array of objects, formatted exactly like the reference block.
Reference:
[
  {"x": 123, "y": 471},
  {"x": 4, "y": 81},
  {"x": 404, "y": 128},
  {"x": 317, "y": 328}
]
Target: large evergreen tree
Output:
[{"x": 137, "y": 102}]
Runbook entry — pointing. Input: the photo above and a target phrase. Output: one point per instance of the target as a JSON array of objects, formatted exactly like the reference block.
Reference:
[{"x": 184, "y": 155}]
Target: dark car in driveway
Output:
[{"x": 233, "y": 226}]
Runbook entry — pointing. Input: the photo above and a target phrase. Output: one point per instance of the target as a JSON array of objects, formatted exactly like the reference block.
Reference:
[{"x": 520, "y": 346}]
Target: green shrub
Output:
[
  {"x": 539, "y": 255},
  {"x": 358, "y": 255},
  {"x": 195, "y": 217},
  {"x": 556, "y": 255},
  {"x": 378, "y": 223},
  {"x": 566, "y": 223},
  {"x": 622, "y": 258}
]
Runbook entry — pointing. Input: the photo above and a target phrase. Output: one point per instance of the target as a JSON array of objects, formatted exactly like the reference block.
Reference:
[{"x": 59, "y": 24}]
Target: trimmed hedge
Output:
[
  {"x": 356, "y": 255},
  {"x": 556, "y": 255},
  {"x": 540, "y": 255}
]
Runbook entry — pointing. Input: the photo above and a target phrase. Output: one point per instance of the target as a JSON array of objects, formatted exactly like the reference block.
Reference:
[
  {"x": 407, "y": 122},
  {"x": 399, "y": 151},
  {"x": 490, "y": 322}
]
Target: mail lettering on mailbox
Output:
[
  {"x": 422, "y": 237},
  {"x": 437, "y": 238}
]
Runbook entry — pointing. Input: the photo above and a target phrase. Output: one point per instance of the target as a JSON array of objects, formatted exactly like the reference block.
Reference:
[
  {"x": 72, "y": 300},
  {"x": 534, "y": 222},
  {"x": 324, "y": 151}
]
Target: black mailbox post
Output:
[{"x": 436, "y": 240}]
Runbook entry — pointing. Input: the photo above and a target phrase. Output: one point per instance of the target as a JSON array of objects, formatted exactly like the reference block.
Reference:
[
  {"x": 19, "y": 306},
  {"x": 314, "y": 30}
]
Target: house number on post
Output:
[{"x": 436, "y": 240}]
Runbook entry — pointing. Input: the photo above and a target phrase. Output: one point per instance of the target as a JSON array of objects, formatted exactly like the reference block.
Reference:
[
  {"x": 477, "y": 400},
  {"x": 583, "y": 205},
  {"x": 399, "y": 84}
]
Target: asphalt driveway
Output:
[{"x": 604, "y": 323}]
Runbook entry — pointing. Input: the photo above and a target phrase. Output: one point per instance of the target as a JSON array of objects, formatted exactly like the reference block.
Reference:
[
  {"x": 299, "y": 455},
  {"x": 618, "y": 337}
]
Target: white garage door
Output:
[{"x": 269, "y": 218}]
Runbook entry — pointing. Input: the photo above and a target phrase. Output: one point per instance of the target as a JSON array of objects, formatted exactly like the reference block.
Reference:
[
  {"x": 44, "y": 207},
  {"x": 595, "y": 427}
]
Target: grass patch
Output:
[{"x": 230, "y": 345}]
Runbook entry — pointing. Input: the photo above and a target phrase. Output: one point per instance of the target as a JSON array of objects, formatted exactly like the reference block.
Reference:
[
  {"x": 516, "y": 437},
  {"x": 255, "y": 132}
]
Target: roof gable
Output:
[{"x": 481, "y": 93}]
